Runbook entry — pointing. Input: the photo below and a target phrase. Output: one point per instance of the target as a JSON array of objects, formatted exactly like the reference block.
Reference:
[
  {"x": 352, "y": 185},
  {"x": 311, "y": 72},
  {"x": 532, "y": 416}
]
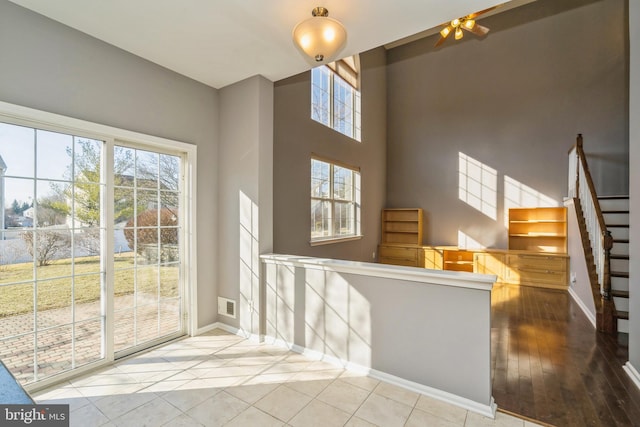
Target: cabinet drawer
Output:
[
  {"x": 537, "y": 262},
  {"x": 525, "y": 275},
  {"x": 398, "y": 252},
  {"x": 398, "y": 261}
]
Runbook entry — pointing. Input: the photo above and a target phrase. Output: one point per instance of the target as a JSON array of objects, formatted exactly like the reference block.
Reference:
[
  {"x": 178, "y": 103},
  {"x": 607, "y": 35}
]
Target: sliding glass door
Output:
[{"x": 90, "y": 250}]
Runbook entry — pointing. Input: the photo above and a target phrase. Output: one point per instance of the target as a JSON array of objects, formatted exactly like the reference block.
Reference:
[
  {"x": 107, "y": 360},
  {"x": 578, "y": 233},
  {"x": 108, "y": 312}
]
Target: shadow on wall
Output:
[
  {"x": 322, "y": 312},
  {"x": 425, "y": 330}
]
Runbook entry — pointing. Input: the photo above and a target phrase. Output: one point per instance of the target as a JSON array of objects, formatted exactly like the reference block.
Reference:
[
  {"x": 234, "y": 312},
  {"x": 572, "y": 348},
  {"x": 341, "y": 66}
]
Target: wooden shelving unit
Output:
[
  {"x": 458, "y": 260},
  {"x": 538, "y": 229},
  {"x": 536, "y": 255},
  {"x": 402, "y": 226},
  {"x": 401, "y": 237}
]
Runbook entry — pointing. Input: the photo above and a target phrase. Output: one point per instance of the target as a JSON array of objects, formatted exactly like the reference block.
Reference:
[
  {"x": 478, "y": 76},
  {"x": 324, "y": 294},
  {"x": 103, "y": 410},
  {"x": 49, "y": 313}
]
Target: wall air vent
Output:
[{"x": 227, "y": 307}]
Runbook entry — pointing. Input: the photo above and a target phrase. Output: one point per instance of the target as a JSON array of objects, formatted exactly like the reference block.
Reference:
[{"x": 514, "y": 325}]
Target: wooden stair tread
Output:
[
  {"x": 621, "y": 197},
  {"x": 617, "y": 256},
  {"x": 615, "y": 211},
  {"x": 620, "y": 240},
  {"x": 620, "y": 274},
  {"x": 622, "y": 314},
  {"x": 619, "y": 294},
  {"x": 617, "y": 225}
]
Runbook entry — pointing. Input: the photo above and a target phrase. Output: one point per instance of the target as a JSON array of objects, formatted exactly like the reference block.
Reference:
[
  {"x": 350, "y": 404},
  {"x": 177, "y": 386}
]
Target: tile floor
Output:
[{"x": 220, "y": 379}]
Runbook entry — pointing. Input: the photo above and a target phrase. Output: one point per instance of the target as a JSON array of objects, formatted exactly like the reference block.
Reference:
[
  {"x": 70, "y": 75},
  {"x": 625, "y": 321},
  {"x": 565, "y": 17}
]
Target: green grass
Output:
[{"x": 54, "y": 286}]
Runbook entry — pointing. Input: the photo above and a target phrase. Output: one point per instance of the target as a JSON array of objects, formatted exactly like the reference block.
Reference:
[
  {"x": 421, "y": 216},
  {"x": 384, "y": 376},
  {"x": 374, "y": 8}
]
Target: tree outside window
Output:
[
  {"x": 334, "y": 102},
  {"x": 335, "y": 201}
]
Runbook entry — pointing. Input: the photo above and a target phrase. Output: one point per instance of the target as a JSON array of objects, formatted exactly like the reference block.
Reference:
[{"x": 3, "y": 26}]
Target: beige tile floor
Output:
[{"x": 220, "y": 379}]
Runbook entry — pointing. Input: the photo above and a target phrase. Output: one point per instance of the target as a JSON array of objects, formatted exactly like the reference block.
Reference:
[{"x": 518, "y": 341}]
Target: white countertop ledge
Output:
[{"x": 457, "y": 279}]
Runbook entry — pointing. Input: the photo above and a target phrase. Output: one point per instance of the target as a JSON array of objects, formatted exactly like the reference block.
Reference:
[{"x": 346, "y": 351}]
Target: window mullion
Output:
[
  {"x": 353, "y": 114},
  {"x": 107, "y": 248},
  {"x": 34, "y": 246},
  {"x": 331, "y": 100},
  {"x": 352, "y": 203},
  {"x": 332, "y": 201}
]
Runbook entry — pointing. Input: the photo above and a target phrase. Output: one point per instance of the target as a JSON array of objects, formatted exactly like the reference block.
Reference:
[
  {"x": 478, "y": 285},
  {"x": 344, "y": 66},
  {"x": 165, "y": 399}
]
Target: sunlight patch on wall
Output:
[
  {"x": 478, "y": 185},
  {"x": 467, "y": 242},
  {"x": 249, "y": 264},
  {"x": 519, "y": 195}
]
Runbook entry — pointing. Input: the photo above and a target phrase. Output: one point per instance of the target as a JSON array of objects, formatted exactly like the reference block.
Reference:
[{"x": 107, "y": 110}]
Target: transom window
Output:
[
  {"x": 334, "y": 102},
  {"x": 335, "y": 201}
]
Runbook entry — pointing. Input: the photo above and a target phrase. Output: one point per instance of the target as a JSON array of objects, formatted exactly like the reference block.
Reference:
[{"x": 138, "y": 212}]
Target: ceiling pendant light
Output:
[{"x": 320, "y": 38}]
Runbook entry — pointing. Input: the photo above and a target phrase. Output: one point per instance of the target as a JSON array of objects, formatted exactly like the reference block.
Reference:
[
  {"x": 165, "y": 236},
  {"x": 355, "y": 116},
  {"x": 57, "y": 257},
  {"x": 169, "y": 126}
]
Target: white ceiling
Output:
[{"x": 219, "y": 42}]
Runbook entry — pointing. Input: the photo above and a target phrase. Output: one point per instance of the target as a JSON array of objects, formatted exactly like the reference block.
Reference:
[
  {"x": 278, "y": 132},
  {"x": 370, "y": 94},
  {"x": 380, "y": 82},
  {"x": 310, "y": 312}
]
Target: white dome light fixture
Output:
[{"x": 320, "y": 38}]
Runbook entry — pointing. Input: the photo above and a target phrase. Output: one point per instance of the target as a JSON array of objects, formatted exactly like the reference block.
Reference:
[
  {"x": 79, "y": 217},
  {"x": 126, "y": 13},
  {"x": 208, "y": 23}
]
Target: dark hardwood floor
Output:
[{"x": 550, "y": 365}]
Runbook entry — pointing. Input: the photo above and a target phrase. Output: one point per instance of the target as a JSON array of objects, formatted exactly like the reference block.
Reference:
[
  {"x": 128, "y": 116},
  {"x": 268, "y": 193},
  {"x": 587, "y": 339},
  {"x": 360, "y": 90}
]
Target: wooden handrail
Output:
[
  {"x": 607, "y": 240},
  {"x": 592, "y": 189}
]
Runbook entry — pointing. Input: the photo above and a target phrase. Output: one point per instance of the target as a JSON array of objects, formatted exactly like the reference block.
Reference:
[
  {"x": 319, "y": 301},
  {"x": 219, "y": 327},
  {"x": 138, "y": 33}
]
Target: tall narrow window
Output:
[
  {"x": 335, "y": 101},
  {"x": 335, "y": 201}
]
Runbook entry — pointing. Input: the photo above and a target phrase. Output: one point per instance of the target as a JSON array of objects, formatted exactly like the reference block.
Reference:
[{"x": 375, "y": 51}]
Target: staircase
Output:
[
  {"x": 615, "y": 210},
  {"x": 604, "y": 228}
]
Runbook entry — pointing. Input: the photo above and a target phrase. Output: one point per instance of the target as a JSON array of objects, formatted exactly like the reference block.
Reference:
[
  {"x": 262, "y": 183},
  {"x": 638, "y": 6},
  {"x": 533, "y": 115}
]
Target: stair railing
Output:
[{"x": 581, "y": 187}]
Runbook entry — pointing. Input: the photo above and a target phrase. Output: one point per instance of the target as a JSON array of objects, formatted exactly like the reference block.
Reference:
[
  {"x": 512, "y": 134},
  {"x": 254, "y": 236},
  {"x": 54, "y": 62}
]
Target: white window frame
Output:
[
  {"x": 356, "y": 191},
  {"x": 24, "y": 116},
  {"x": 354, "y": 132}
]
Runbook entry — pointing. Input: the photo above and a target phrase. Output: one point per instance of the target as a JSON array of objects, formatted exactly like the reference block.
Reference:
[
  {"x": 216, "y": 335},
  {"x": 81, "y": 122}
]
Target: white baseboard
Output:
[
  {"x": 470, "y": 405},
  {"x": 207, "y": 328},
  {"x": 232, "y": 330},
  {"x": 582, "y": 305},
  {"x": 633, "y": 373}
]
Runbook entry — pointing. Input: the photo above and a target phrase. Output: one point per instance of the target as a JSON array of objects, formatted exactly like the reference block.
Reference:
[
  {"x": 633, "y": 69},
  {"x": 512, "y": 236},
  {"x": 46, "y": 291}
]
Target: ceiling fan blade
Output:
[
  {"x": 439, "y": 42},
  {"x": 444, "y": 33},
  {"x": 477, "y": 29}
]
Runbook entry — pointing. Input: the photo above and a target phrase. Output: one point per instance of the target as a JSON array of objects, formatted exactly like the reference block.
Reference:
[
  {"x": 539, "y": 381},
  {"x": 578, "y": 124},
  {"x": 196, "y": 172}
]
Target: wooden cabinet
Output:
[
  {"x": 542, "y": 270},
  {"x": 412, "y": 256},
  {"x": 536, "y": 254},
  {"x": 490, "y": 263},
  {"x": 547, "y": 270},
  {"x": 432, "y": 258},
  {"x": 402, "y": 226},
  {"x": 538, "y": 229}
]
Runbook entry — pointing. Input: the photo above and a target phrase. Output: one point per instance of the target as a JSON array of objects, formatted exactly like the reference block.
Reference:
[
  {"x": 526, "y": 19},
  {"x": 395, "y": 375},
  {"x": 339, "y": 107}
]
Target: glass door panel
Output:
[
  {"x": 51, "y": 275},
  {"x": 147, "y": 226}
]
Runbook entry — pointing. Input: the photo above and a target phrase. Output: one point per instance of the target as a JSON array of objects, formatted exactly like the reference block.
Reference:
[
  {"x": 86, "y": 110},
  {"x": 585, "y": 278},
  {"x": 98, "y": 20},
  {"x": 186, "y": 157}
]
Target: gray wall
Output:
[
  {"x": 634, "y": 219},
  {"x": 296, "y": 136},
  {"x": 245, "y": 203},
  {"x": 581, "y": 288},
  {"x": 353, "y": 315},
  {"x": 514, "y": 101},
  {"x": 51, "y": 67}
]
